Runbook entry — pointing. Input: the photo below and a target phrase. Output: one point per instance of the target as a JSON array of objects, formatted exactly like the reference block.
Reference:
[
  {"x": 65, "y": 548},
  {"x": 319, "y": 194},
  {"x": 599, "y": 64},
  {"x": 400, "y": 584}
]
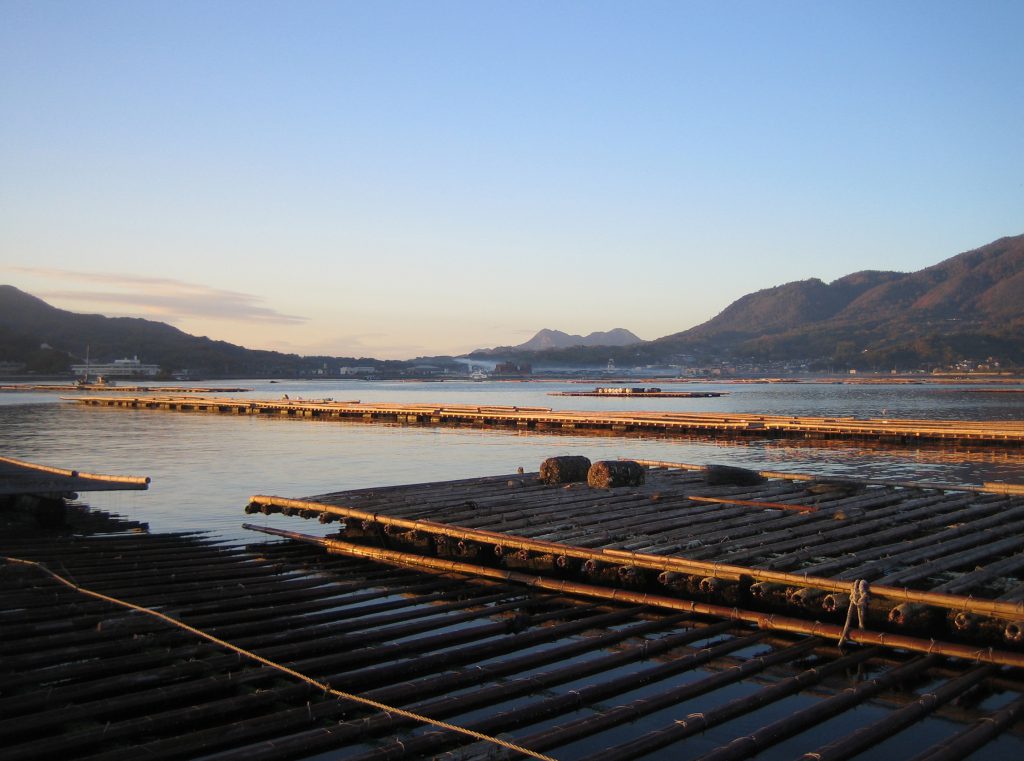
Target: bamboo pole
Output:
[
  {"x": 869, "y": 735},
  {"x": 946, "y": 562},
  {"x": 752, "y": 503},
  {"x": 964, "y": 743},
  {"x": 985, "y": 488},
  {"x": 362, "y": 648},
  {"x": 127, "y": 482},
  {"x": 708, "y": 524},
  {"x": 956, "y": 546},
  {"x": 370, "y": 636},
  {"x": 488, "y": 648},
  {"x": 124, "y": 642},
  {"x": 201, "y": 573},
  {"x": 431, "y": 743},
  {"x": 699, "y": 722},
  {"x": 894, "y": 543},
  {"x": 763, "y": 620},
  {"x": 294, "y": 720},
  {"x": 550, "y": 504},
  {"x": 1007, "y": 566},
  {"x": 675, "y": 694},
  {"x": 83, "y": 662},
  {"x": 817, "y": 713},
  {"x": 789, "y": 532},
  {"x": 327, "y": 736}
]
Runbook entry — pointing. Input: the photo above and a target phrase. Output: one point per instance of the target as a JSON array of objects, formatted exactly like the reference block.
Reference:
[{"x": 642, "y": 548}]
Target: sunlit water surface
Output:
[{"x": 204, "y": 467}]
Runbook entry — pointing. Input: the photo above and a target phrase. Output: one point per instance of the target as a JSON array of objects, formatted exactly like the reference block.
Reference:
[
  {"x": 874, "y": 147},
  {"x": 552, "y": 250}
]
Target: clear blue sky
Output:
[{"x": 397, "y": 179}]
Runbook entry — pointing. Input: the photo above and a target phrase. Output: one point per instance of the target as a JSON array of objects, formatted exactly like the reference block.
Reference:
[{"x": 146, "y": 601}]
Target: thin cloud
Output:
[{"x": 162, "y": 298}]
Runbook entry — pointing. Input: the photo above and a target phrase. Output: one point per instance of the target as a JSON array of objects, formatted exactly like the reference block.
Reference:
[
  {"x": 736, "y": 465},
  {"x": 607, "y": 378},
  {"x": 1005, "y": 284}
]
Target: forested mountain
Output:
[
  {"x": 29, "y": 325},
  {"x": 968, "y": 307}
]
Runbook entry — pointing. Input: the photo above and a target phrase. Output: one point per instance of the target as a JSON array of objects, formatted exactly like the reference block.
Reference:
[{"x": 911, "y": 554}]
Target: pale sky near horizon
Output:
[{"x": 402, "y": 179}]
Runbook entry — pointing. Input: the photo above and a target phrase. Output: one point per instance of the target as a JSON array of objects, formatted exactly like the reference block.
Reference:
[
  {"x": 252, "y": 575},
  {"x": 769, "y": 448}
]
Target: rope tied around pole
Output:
[
  {"x": 980, "y": 654},
  {"x": 858, "y": 602}
]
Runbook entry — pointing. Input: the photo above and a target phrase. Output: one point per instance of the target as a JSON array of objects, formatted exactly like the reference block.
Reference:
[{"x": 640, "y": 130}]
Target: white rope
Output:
[
  {"x": 858, "y": 602},
  {"x": 328, "y": 690}
]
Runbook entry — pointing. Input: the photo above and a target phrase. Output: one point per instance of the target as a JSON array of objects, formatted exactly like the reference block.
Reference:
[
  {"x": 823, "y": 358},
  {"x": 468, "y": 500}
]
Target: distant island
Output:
[{"x": 965, "y": 313}]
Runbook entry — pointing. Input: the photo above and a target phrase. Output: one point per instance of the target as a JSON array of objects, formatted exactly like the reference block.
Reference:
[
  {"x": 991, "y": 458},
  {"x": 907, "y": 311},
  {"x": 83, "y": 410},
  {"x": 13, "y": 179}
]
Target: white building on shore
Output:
[{"x": 119, "y": 368}]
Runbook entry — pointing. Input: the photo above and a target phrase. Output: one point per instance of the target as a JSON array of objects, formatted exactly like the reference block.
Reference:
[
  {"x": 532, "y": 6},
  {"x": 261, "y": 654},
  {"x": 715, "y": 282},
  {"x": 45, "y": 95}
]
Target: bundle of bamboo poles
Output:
[
  {"x": 763, "y": 620},
  {"x": 923, "y": 556},
  {"x": 725, "y": 571}
]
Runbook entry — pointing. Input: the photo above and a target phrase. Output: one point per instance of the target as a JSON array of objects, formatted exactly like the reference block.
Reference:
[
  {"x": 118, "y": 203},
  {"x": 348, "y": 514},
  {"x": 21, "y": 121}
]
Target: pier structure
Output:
[
  {"x": 122, "y": 388},
  {"x": 619, "y": 392},
  {"x": 1000, "y": 433}
]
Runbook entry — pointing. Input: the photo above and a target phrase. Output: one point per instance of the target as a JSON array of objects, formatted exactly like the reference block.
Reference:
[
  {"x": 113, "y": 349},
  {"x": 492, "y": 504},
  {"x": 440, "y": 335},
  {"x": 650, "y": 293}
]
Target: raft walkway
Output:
[
  {"x": 1003, "y": 433},
  {"x": 945, "y": 564},
  {"x": 84, "y": 678},
  {"x": 643, "y": 394},
  {"x": 18, "y": 477},
  {"x": 122, "y": 389}
]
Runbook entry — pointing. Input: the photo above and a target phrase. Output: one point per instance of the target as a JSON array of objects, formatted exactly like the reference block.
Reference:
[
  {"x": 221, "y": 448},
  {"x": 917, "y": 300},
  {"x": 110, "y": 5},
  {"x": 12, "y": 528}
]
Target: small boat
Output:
[{"x": 98, "y": 381}]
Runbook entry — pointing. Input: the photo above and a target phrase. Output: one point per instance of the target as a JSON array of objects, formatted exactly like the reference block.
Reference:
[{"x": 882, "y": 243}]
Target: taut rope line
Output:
[{"x": 279, "y": 667}]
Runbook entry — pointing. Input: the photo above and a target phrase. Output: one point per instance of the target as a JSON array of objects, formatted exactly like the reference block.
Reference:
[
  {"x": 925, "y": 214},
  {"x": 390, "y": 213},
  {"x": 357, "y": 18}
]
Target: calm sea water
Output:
[{"x": 205, "y": 467}]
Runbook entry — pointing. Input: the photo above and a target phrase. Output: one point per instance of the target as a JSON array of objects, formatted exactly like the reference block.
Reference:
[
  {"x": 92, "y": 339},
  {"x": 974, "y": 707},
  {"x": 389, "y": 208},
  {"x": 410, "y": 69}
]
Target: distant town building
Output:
[
  {"x": 420, "y": 370},
  {"x": 119, "y": 368},
  {"x": 360, "y": 370},
  {"x": 513, "y": 368}
]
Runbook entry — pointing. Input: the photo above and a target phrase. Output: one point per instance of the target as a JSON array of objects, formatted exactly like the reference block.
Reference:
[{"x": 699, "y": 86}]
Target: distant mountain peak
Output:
[{"x": 547, "y": 338}]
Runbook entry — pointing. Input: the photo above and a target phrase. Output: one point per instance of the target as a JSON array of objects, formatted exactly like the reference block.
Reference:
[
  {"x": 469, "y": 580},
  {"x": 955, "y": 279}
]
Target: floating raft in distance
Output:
[
  {"x": 1003, "y": 432},
  {"x": 64, "y": 387},
  {"x": 619, "y": 392}
]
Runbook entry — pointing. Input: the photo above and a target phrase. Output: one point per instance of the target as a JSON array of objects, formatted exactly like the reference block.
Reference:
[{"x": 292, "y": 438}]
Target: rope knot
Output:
[{"x": 858, "y": 602}]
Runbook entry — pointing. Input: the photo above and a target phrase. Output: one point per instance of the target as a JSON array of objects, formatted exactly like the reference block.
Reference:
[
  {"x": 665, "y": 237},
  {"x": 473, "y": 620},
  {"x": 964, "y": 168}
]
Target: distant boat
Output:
[
  {"x": 98, "y": 381},
  {"x": 85, "y": 381},
  {"x": 478, "y": 375}
]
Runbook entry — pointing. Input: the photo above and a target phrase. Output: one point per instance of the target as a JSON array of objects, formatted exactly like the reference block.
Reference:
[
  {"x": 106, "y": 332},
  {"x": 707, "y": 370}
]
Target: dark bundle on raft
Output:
[
  {"x": 606, "y": 474},
  {"x": 727, "y": 475},
  {"x": 564, "y": 470}
]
